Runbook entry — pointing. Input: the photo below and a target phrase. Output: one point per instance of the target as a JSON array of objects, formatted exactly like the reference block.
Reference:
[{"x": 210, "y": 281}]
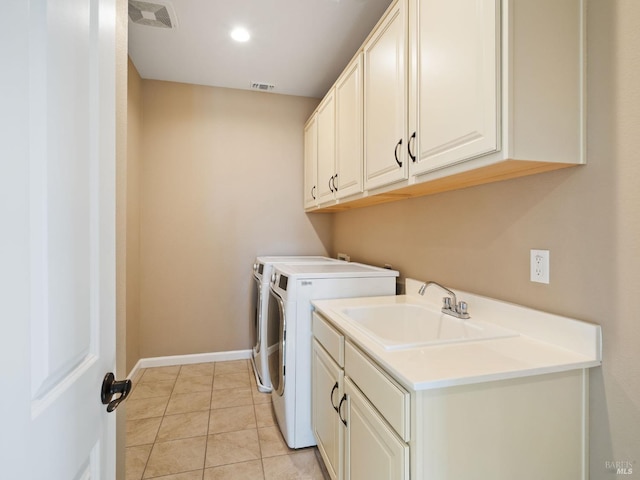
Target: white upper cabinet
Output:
[
  {"x": 460, "y": 93},
  {"x": 385, "y": 100},
  {"x": 310, "y": 163},
  {"x": 498, "y": 90},
  {"x": 349, "y": 130},
  {"x": 334, "y": 141},
  {"x": 543, "y": 84},
  {"x": 454, "y": 110},
  {"x": 326, "y": 119}
]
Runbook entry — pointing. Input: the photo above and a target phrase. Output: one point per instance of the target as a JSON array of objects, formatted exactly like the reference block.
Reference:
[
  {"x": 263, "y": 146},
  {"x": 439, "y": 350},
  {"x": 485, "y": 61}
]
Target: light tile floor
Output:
[{"x": 208, "y": 421}]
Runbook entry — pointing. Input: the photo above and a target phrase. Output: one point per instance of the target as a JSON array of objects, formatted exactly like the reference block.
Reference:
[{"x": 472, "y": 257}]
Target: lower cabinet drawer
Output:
[
  {"x": 329, "y": 338},
  {"x": 390, "y": 399}
]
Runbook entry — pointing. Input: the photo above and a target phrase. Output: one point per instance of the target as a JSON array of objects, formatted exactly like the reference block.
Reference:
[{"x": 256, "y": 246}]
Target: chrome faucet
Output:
[{"x": 450, "y": 304}]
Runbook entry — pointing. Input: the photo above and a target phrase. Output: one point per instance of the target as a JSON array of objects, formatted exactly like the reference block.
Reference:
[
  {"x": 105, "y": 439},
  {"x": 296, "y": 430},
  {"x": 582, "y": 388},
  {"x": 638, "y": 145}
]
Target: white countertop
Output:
[{"x": 544, "y": 343}]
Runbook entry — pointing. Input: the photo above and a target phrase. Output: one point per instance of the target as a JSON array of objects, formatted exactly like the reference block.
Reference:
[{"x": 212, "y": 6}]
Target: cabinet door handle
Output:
[
  {"x": 413, "y": 137},
  {"x": 335, "y": 177},
  {"x": 344, "y": 397},
  {"x": 330, "y": 185},
  {"x": 395, "y": 152},
  {"x": 313, "y": 189},
  {"x": 335, "y": 387}
]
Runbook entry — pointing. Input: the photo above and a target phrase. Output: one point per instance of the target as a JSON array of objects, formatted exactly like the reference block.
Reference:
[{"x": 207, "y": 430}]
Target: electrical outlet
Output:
[{"x": 540, "y": 266}]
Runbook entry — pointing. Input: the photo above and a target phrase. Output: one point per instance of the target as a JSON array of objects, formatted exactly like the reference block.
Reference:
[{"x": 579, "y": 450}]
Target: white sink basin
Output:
[{"x": 401, "y": 326}]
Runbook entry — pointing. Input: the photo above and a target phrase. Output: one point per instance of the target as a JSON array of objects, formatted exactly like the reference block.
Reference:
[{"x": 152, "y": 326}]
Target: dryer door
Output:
[
  {"x": 257, "y": 320},
  {"x": 276, "y": 340}
]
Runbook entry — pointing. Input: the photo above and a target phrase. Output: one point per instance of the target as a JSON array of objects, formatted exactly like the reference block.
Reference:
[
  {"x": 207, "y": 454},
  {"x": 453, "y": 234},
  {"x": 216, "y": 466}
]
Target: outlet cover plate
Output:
[{"x": 540, "y": 266}]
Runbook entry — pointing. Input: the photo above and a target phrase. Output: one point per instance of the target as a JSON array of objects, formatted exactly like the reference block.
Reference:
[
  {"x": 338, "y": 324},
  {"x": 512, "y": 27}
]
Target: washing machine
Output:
[
  {"x": 262, "y": 269},
  {"x": 289, "y": 336}
]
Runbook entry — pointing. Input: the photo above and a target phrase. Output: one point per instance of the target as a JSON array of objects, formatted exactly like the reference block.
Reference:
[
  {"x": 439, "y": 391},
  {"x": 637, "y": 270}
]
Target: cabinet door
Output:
[
  {"x": 310, "y": 163},
  {"x": 455, "y": 66},
  {"x": 326, "y": 148},
  {"x": 374, "y": 451},
  {"x": 385, "y": 99},
  {"x": 326, "y": 392},
  {"x": 349, "y": 130}
]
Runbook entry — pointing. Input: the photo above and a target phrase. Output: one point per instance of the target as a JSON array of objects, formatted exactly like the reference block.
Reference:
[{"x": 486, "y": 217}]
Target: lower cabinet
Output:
[
  {"x": 369, "y": 427},
  {"x": 374, "y": 451},
  {"x": 355, "y": 441},
  {"x": 326, "y": 392}
]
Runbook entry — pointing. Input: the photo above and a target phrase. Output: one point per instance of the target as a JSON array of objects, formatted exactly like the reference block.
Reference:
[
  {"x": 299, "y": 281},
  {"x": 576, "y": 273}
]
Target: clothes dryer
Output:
[
  {"x": 289, "y": 336},
  {"x": 262, "y": 269}
]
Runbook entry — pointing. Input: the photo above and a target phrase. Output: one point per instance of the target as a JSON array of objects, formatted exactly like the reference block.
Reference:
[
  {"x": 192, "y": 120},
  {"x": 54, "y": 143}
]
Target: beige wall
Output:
[
  {"x": 220, "y": 183},
  {"x": 134, "y": 136},
  {"x": 588, "y": 217}
]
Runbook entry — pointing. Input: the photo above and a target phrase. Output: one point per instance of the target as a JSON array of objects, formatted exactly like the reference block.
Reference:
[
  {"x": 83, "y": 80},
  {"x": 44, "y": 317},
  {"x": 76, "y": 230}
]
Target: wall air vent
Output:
[
  {"x": 263, "y": 87},
  {"x": 150, "y": 14}
]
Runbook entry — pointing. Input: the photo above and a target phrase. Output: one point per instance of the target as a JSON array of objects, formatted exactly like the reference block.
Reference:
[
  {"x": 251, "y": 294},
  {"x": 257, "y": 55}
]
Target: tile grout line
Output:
[
  {"x": 206, "y": 438},
  {"x": 253, "y": 387},
  {"x": 154, "y": 442},
  {"x": 148, "y": 456},
  {"x": 206, "y": 442},
  {"x": 153, "y": 445}
]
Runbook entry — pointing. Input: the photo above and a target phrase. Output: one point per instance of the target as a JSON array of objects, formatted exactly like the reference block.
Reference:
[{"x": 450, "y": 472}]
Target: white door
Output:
[
  {"x": 310, "y": 163},
  {"x": 349, "y": 128},
  {"x": 374, "y": 451},
  {"x": 455, "y": 89},
  {"x": 385, "y": 101},
  {"x": 326, "y": 392},
  {"x": 327, "y": 148},
  {"x": 57, "y": 247}
]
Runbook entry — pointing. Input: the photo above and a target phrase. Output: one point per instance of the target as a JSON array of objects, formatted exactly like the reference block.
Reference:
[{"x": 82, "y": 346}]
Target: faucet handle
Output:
[
  {"x": 462, "y": 311},
  {"x": 446, "y": 303}
]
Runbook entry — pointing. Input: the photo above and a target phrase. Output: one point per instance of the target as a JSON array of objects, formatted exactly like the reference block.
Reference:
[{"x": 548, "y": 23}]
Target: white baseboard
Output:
[{"x": 189, "y": 359}]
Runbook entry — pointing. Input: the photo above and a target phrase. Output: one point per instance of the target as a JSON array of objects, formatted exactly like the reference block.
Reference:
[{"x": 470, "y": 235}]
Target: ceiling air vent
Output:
[
  {"x": 150, "y": 14},
  {"x": 263, "y": 87}
]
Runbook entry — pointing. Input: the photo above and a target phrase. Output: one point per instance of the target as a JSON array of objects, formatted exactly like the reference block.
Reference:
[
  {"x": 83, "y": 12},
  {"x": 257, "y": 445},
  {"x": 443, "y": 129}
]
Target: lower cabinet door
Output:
[
  {"x": 327, "y": 390},
  {"x": 373, "y": 450}
]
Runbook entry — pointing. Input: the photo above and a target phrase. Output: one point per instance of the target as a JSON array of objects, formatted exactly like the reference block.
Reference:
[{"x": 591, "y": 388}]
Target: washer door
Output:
[{"x": 276, "y": 340}]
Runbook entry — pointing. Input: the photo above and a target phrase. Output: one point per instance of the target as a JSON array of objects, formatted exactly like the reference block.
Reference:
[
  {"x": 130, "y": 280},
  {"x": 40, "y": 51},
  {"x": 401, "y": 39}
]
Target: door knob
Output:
[{"x": 111, "y": 387}]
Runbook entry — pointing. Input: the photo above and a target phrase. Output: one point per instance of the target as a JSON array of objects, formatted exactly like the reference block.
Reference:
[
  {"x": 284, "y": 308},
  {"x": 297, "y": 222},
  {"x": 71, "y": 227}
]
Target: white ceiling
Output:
[{"x": 300, "y": 46}]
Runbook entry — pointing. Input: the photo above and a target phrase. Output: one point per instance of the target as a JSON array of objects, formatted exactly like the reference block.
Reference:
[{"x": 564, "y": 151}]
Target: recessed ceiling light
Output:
[{"x": 240, "y": 34}]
